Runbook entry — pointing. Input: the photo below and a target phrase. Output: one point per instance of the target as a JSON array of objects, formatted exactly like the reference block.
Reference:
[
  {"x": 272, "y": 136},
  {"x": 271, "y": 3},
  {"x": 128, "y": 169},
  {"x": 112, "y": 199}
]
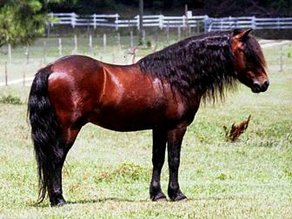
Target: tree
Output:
[{"x": 21, "y": 21}]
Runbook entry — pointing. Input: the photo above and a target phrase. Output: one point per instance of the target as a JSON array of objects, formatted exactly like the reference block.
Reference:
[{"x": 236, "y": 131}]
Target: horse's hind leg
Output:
[
  {"x": 174, "y": 141},
  {"x": 55, "y": 179},
  {"x": 55, "y": 176},
  {"x": 159, "y": 145}
]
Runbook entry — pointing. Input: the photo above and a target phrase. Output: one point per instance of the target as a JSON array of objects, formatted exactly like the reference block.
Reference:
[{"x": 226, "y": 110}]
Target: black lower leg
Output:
[
  {"x": 55, "y": 180},
  {"x": 159, "y": 145},
  {"x": 55, "y": 176},
  {"x": 174, "y": 147},
  {"x": 55, "y": 185}
]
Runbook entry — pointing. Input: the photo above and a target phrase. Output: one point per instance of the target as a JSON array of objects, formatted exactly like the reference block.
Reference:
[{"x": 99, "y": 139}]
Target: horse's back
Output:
[{"x": 76, "y": 64}]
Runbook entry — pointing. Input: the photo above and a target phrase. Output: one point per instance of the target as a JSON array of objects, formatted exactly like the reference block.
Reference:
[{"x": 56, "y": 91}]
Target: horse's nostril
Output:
[
  {"x": 260, "y": 87},
  {"x": 266, "y": 84},
  {"x": 256, "y": 87}
]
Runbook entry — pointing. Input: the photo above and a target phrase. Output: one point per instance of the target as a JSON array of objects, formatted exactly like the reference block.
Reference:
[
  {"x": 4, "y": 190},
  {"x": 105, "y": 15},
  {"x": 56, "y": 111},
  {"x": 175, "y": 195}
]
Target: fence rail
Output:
[
  {"x": 248, "y": 22},
  {"x": 207, "y": 23}
]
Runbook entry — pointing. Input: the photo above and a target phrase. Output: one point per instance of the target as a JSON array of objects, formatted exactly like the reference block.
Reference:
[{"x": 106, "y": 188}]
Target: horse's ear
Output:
[{"x": 241, "y": 34}]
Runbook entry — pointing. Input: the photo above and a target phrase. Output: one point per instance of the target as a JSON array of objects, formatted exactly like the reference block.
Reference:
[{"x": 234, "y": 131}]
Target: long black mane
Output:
[{"x": 202, "y": 64}]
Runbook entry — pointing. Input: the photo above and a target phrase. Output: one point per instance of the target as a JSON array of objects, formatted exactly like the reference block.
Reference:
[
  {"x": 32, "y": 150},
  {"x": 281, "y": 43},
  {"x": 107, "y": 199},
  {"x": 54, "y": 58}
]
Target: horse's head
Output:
[{"x": 250, "y": 65}]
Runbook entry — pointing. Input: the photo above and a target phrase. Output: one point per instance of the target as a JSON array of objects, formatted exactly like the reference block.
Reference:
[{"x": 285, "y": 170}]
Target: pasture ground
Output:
[{"x": 107, "y": 173}]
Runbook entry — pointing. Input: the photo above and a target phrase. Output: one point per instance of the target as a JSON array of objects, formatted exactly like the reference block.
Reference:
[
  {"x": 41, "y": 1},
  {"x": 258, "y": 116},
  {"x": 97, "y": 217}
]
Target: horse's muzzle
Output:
[{"x": 258, "y": 87}]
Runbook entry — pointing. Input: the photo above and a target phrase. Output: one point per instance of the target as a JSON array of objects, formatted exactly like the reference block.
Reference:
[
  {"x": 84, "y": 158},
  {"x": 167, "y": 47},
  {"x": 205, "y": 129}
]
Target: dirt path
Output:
[{"x": 18, "y": 81}]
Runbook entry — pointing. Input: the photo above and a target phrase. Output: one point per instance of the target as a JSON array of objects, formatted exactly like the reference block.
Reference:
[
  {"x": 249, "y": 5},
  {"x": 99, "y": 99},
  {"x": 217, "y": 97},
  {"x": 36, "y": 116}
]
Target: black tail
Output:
[{"x": 45, "y": 129}]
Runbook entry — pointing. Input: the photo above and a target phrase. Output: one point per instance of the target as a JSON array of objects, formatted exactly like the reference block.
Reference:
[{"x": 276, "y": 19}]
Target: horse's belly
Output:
[{"x": 120, "y": 120}]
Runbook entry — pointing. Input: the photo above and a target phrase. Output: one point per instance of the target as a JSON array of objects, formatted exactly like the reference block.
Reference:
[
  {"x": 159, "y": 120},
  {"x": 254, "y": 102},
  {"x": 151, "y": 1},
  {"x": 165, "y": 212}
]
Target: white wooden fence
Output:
[
  {"x": 248, "y": 22},
  {"x": 205, "y": 22},
  {"x": 114, "y": 20}
]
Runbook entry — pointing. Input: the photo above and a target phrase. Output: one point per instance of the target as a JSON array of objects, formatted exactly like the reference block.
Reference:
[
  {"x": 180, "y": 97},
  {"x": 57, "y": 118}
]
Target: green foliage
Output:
[
  {"x": 148, "y": 44},
  {"x": 21, "y": 21},
  {"x": 223, "y": 176},
  {"x": 9, "y": 99}
]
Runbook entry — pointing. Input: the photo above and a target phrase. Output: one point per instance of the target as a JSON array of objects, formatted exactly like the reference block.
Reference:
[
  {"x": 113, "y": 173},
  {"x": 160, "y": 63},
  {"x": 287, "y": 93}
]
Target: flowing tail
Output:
[{"x": 45, "y": 129}]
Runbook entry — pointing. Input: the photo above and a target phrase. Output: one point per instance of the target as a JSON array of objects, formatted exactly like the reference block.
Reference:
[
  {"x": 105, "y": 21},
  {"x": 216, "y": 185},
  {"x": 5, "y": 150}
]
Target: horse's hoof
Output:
[
  {"x": 61, "y": 203},
  {"x": 58, "y": 203},
  {"x": 179, "y": 197},
  {"x": 160, "y": 197}
]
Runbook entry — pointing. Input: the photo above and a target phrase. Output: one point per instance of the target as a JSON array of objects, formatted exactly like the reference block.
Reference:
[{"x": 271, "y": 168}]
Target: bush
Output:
[{"x": 9, "y": 99}]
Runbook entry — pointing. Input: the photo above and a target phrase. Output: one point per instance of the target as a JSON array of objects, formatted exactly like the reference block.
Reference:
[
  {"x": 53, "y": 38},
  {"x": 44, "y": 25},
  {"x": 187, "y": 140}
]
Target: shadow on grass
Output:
[
  {"x": 86, "y": 201},
  {"x": 102, "y": 200},
  {"x": 115, "y": 199}
]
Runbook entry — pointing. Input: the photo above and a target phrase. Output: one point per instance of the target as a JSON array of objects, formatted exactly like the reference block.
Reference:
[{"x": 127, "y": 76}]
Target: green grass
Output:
[{"x": 107, "y": 173}]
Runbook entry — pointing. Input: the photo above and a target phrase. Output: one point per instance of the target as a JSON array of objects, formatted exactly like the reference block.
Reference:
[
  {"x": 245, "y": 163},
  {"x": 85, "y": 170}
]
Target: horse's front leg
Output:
[
  {"x": 158, "y": 150},
  {"x": 174, "y": 140}
]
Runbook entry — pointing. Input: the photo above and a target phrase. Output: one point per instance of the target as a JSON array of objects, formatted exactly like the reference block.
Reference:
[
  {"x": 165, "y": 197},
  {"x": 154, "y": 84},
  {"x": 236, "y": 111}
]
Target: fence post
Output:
[
  {"x": 75, "y": 44},
  {"x": 6, "y": 74},
  {"x": 178, "y": 32},
  {"x": 116, "y": 21},
  {"x": 206, "y": 23},
  {"x": 51, "y": 20},
  {"x": 143, "y": 36},
  {"x": 161, "y": 21},
  {"x": 197, "y": 26},
  {"x": 119, "y": 40},
  {"x": 27, "y": 53},
  {"x": 167, "y": 33},
  {"x": 60, "y": 48},
  {"x": 104, "y": 42},
  {"x": 23, "y": 83},
  {"x": 281, "y": 59},
  {"x": 73, "y": 19},
  {"x": 184, "y": 21},
  {"x": 232, "y": 23},
  {"x": 9, "y": 53},
  {"x": 137, "y": 22},
  {"x": 131, "y": 39},
  {"x": 253, "y": 23},
  {"x": 94, "y": 21},
  {"x": 45, "y": 51},
  {"x": 90, "y": 44}
]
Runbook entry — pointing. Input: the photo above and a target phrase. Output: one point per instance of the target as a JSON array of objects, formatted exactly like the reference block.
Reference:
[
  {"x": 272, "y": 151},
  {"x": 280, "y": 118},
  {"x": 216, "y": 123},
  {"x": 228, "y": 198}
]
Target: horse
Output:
[{"x": 161, "y": 92}]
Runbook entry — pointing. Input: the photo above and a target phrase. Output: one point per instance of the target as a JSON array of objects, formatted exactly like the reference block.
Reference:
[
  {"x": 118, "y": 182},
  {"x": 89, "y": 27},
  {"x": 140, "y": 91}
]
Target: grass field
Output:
[{"x": 107, "y": 173}]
